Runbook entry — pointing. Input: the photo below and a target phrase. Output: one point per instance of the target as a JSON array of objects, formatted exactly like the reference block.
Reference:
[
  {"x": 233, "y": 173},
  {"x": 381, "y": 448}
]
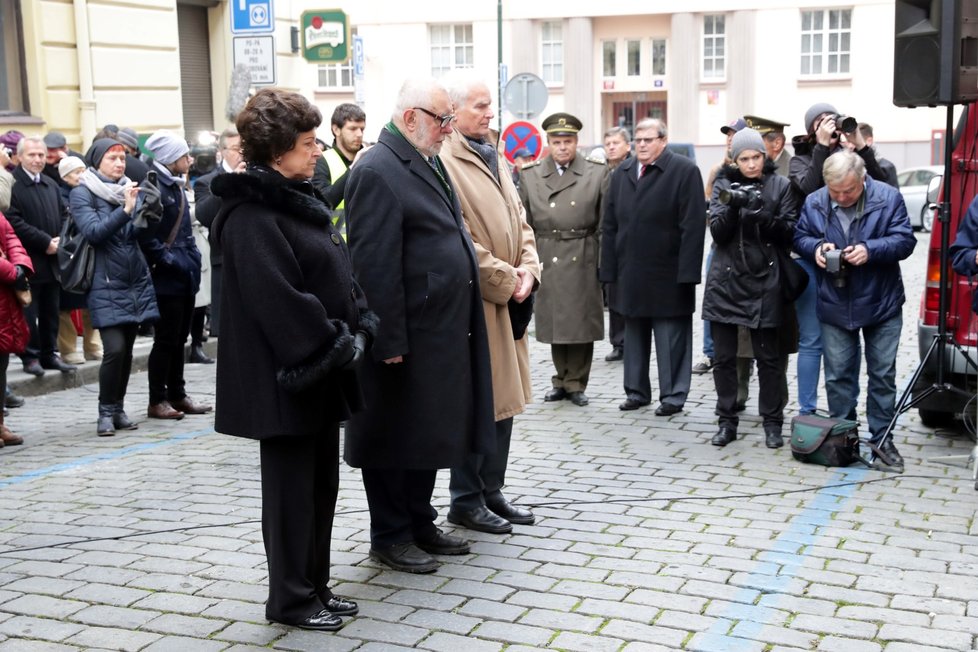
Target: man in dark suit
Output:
[
  {"x": 652, "y": 246},
  {"x": 428, "y": 386},
  {"x": 37, "y": 214}
]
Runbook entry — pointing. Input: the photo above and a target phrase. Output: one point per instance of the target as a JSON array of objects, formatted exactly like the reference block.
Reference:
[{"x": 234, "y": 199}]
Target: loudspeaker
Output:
[{"x": 935, "y": 58}]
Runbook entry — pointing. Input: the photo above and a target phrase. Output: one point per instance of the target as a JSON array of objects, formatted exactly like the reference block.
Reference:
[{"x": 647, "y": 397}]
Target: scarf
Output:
[
  {"x": 434, "y": 162},
  {"x": 165, "y": 171},
  {"x": 113, "y": 192}
]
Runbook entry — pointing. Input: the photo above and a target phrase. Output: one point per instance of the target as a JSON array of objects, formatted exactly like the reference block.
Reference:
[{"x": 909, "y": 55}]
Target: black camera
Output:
[
  {"x": 740, "y": 195},
  {"x": 835, "y": 266},
  {"x": 844, "y": 123}
]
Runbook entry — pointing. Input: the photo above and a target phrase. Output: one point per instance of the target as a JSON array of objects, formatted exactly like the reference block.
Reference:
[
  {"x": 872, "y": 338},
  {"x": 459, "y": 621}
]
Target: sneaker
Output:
[{"x": 704, "y": 365}]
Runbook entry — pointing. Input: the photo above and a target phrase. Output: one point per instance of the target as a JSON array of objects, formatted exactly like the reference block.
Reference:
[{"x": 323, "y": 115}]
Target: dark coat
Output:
[
  {"x": 175, "y": 267},
  {"x": 652, "y": 237},
  {"x": 136, "y": 170},
  {"x": 743, "y": 284},
  {"x": 416, "y": 263},
  {"x": 14, "y": 333},
  {"x": 289, "y": 308},
  {"x": 805, "y": 167},
  {"x": 122, "y": 290},
  {"x": 873, "y": 291},
  {"x": 206, "y": 207},
  {"x": 965, "y": 248},
  {"x": 37, "y": 214}
]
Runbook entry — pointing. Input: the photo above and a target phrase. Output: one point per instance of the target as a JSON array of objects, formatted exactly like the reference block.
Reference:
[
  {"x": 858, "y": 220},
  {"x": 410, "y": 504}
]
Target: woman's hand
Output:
[{"x": 132, "y": 190}]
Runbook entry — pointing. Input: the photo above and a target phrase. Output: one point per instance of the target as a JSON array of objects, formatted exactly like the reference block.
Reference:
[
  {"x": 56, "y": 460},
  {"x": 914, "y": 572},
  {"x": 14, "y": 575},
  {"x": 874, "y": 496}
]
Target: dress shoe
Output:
[
  {"x": 322, "y": 621},
  {"x": 890, "y": 456},
  {"x": 704, "y": 365},
  {"x": 56, "y": 363},
  {"x": 163, "y": 410},
  {"x": 34, "y": 368},
  {"x": 667, "y": 409},
  {"x": 632, "y": 404},
  {"x": 772, "y": 435},
  {"x": 724, "y": 436},
  {"x": 578, "y": 398},
  {"x": 444, "y": 544},
  {"x": 405, "y": 557},
  {"x": 188, "y": 406},
  {"x": 480, "y": 519},
  {"x": 512, "y": 513},
  {"x": 556, "y": 394},
  {"x": 617, "y": 353},
  {"x": 339, "y": 606},
  {"x": 8, "y": 438},
  {"x": 74, "y": 357},
  {"x": 197, "y": 355},
  {"x": 12, "y": 400}
]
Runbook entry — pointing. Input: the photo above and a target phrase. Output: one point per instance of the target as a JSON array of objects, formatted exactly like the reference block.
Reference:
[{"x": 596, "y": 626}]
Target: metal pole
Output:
[{"x": 499, "y": 66}]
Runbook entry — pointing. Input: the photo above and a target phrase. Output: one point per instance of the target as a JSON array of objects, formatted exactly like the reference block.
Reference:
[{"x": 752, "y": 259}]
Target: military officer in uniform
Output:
[
  {"x": 562, "y": 195},
  {"x": 772, "y": 132}
]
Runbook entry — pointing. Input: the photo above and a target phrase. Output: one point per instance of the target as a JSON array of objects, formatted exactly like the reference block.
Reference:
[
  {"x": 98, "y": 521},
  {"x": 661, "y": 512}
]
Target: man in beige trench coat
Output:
[
  {"x": 509, "y": 270},
  {"x": 562, "y": 197}
]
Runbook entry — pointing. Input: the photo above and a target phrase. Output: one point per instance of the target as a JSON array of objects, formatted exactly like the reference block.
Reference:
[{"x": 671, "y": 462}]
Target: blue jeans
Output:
[
  {"x": 841, "y": 352},
  {"x": 809, "y": 343},
  {"x": 707, "y": 334}
]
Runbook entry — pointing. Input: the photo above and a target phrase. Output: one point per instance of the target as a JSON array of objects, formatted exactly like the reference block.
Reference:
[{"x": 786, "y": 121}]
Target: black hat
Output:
[
  {"x": 734, "y": 126},
  {"x": 98, "y": 150},
  {"x": 765, "y": 126},
  {"x": 562, "y": 124}
]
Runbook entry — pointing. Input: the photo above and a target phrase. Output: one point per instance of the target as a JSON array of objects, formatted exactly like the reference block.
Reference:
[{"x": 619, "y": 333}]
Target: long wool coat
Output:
[
  {"x": 565, "y": 213},
  {"x": 503, "y": 242},
  {"x": 652, "y": 237},
  {"x": 416, "y": 264},
  {"x": 13, "y": 327}
]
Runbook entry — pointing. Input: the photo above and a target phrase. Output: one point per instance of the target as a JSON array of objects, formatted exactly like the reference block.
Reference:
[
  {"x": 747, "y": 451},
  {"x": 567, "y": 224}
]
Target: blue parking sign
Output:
[{"x": 252, "y": 16}]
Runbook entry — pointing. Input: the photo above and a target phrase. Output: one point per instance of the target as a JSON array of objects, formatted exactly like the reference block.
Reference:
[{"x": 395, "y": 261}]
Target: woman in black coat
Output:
[
  {"x": 743, "y": 285},
  {"x": 294, "y": 326}
]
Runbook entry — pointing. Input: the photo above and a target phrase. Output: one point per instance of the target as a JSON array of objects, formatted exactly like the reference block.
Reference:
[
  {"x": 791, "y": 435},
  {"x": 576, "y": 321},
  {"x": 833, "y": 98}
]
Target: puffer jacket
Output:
[
  {"x": 122, "y": 290},
  {"x": 13, "y": 327},
  {"x": 175, "y": 267},
  {"x": 743, "y": 284},
  {"x": 873, "y": 292}
]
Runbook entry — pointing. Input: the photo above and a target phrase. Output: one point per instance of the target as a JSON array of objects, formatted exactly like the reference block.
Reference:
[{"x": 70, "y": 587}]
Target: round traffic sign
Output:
[
  {"x": 521, "y": 135},
  {"x": 525, "y": 95}
]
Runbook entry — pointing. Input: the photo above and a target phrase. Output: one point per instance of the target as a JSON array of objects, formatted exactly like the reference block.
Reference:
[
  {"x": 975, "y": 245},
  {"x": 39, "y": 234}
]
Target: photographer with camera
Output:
[
  {"x": 752, "y": 213},
  {"x": 856, "y": 231}
]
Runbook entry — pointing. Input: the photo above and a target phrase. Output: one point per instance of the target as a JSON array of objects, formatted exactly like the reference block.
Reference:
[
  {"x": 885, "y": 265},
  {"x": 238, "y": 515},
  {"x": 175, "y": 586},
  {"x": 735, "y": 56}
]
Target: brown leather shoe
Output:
[
  {"x": 188, "y": 406},
  {"x": 163, "y": 410},
  {"x": 8, "y": 438}
]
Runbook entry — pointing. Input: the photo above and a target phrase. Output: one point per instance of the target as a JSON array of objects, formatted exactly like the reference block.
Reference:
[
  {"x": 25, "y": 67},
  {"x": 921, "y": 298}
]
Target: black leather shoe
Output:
[
  {"x": 56, "y": 363},
  {"x": 197, "y": 355},
  {"x": 724, "y": 436},
  {"x": 512, "y": 513},
  {"x": 340, "y": 606},
  {"x": 480, "y": 519},
  {"x": 632, "y": 404},
  {"x": 667, "y": 409},
  {"x": 34, "y": 368},
  {"x": 890, "y": 458},
  {"x": 772, "y": 436},
  {"x": 323, "y": 621},
  {"x": 12, "y": 400},
  {"x": 579, "y": 399},
  {"x": 556, "y": 394},
  {"x": 121, "y": 421},
  {"x": 444, "y": 544},
  {"x": 405, "y": 557},
  {"x": 617, "y": 353}
]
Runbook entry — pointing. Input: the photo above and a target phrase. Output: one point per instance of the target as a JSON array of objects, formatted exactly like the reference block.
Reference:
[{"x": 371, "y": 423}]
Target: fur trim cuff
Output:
[{"x": 320, "y": 364}]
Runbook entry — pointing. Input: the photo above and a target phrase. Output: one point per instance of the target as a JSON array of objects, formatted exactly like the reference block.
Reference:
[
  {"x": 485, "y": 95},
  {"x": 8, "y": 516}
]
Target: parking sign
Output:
[{"x": 252, "y": 16}]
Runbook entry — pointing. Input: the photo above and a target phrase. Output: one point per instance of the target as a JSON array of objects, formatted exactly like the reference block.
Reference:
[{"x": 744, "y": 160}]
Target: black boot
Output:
[
  {"x": 197, "y": 355},
  {"x": 772, "y": 435},
  {"x": 105, "y": 428},
  {"x": 121, "y": 420}
]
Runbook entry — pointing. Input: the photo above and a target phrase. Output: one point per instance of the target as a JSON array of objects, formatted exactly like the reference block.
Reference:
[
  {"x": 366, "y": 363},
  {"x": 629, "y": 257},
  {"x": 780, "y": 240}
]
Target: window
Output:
[
  {"x": 451, "y": 48},
  {"x": 552, "y": 55},
  {"x": 13, "y": 96},
  {"x": 825, "y": 41},
  {"x": 338, "y": 76},
  {"x": 658, "y": 57},
  {"x": 609, "y": 51},
  {"x": 714, "y": 47},
  {"x": 634, "y": 49}
]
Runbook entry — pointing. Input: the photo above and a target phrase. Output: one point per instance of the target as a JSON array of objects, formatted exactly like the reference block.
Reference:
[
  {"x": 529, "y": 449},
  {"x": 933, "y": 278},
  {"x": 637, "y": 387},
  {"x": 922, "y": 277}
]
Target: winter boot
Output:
[
  {"x": 106, "y": 414},
  {"x": 121, "y": 420}
]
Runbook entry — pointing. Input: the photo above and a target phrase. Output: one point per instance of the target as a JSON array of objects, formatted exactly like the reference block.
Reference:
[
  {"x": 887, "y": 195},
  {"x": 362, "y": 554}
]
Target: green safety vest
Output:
[{"x": 337, "y": 168}]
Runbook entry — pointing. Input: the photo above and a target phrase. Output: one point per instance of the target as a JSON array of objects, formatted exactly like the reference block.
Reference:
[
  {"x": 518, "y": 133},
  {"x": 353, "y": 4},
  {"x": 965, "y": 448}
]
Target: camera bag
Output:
[{"x": 823, "y": 440}]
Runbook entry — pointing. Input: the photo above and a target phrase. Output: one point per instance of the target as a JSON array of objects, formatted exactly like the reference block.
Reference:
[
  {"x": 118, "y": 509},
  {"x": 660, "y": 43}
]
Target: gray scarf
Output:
[{"x": 112, "y": 192}]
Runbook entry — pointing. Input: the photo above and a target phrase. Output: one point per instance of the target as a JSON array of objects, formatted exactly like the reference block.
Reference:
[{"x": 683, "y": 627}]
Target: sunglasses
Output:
[{"x": 443, "y": 120}]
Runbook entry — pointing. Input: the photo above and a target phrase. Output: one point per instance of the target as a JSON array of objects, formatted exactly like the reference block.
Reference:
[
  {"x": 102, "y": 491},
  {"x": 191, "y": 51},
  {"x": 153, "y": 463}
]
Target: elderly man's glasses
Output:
[
  {"x": 647, "y": 141},
  {"x": 443, "y": 120}
]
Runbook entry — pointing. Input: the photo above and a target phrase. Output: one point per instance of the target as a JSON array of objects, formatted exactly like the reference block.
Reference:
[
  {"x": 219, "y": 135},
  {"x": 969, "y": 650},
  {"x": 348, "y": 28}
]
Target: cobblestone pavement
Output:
[{"x": 648, "y": 538}]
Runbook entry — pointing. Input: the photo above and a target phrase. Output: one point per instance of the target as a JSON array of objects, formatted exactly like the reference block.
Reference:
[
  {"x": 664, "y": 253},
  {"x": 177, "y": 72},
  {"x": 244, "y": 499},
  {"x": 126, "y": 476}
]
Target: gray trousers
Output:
[
  {"x": 480, "y": 479},
  {"x": 673, "y": 354}
]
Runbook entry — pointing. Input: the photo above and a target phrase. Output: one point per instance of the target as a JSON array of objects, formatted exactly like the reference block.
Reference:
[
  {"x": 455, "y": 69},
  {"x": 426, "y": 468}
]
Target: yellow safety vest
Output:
[{"x": 337, "y": 168}]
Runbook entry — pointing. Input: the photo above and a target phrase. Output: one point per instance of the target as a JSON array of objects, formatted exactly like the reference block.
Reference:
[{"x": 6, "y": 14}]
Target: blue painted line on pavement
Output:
[{"x": 101, "y": 457}]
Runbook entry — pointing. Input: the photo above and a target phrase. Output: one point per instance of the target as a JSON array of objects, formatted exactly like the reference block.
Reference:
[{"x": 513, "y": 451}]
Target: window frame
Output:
[
  {"x": 14, "y": 67},
  {"x": 652, "y": 56},
  {"x": 714, "y": 38},
  {"x": 548, "y": 46},
  {"x": 339, "y": 69},
  {"x": 824, "y": 35},
  {"x": 629, "y": 42},
  {"x": 453, "y": 46},
  {"x": 614, "y": 58}
]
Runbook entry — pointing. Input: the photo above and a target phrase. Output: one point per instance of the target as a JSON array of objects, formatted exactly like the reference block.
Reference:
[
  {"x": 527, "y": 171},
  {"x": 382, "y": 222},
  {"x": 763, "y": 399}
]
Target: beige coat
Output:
[{"x": 503, "y": 241}]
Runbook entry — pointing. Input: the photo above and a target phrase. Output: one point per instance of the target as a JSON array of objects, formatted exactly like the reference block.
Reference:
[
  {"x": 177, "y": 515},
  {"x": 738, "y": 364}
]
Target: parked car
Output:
[{"x": 913, "y": 186}]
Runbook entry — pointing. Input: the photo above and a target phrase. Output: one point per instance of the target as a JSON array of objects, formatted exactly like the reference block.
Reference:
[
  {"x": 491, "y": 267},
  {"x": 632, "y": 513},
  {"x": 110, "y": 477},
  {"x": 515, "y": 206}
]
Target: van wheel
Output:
[
  {"x": 935, "y": 418},
  {"x": 926, "y": 219}
]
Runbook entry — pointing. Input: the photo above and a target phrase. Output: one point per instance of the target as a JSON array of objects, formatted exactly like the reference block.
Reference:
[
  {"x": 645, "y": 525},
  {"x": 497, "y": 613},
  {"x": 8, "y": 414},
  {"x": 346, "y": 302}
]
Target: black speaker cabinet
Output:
[{"x": 935, "y": 58}]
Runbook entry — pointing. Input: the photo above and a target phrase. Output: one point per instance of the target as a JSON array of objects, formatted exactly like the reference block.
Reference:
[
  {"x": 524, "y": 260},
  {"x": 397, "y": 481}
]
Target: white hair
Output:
[
  {"x": 22, "y": 144},
  {"x": 414, "y": 92},
  {"x": 838, "y": 166},
  {"x": 459, "y": 84}
]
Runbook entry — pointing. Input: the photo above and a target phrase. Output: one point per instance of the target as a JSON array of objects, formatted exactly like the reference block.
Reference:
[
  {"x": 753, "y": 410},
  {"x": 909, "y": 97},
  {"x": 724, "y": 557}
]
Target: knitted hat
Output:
[
  {"x": 128, "y": 137},
  {"x": 10, "y": 139},
  {"x": 98, "y": 150},
  {"x": 814, "y": 111},
  {"x": 744, "y": 140},
  {"x": 167, "y": 147},
  {"x": 69, "y": 164},
  {"x": 55, "y": 140}
]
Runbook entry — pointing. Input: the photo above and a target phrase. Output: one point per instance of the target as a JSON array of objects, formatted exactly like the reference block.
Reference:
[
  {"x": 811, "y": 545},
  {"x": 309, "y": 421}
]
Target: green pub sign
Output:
[{"x": 325, "y": 36}]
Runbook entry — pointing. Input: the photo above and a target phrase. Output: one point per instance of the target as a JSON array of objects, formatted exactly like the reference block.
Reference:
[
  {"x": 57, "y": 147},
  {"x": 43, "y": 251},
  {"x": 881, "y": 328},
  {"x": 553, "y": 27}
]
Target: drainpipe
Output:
[{"x": 86, "y": 100}]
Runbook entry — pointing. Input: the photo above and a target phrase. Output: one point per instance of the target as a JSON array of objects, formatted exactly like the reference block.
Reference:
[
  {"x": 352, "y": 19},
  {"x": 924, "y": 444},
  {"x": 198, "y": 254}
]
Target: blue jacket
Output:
[
  {"x": 873, "y": 292},
  {"x": 122, "y": 290},
  {"x": 965, "y": 248},
  {"x": 175, "y": 268}
]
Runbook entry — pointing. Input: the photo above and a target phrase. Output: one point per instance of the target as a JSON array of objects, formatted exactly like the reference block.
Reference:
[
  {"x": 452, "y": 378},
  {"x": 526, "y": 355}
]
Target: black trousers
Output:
[
  {"x": 479, "y": 480},
  {"x": 165, "y": 368},
  {"x": 616, "y": 321},
  {"x": 216, "y": 299},
  {"x": 197, "y": 326},
  {"x": 770, "y": 373},
  {"x": 300, "y": 479},
  {"x": 42, "y": 318},
  {"x": 113, "y": 374},
  {"x": 673, "y": 356},
  {"x": 400, "y": 505}
]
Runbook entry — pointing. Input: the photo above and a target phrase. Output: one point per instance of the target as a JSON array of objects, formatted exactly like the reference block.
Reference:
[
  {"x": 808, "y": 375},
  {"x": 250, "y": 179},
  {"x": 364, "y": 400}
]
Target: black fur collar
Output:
[
  {"x": 271, "y": 190},
  {"x": 732, "y": 172}
]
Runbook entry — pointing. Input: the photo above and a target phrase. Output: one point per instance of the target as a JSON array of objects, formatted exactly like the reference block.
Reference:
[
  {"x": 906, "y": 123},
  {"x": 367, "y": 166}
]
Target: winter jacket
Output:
[
  {"x": 805, "y": 167},
  {"x": 14, "y": 333},
  {"x": 965, "y": 248},
  {"x": 175, "y": 267},
  {"x": 37, "y": 214}
]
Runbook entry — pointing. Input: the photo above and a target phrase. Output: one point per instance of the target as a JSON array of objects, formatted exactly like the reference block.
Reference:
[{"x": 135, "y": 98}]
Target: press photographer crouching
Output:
[
  {"x": 857, "y": 231},
  {"x": 752, "y": 215}
]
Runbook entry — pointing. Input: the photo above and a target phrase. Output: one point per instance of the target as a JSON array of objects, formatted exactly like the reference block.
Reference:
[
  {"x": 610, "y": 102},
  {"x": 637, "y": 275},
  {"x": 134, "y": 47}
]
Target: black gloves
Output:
[
  {"x": 760, "y": 217},
  {"x": 359, "y": 349},
  {"x": 20, "y": 282}
]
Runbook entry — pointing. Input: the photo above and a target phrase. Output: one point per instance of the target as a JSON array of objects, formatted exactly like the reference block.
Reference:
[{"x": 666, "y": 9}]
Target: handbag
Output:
[
  {"x": 76, "y": 259},
  {"x": 794, "y": 279},
  {"x": 823, "y": 440}
]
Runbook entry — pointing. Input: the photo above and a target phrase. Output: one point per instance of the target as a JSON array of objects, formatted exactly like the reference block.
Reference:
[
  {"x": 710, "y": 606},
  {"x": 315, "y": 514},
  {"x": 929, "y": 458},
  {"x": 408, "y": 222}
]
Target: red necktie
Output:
[{"x": 645, "y": 169}]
